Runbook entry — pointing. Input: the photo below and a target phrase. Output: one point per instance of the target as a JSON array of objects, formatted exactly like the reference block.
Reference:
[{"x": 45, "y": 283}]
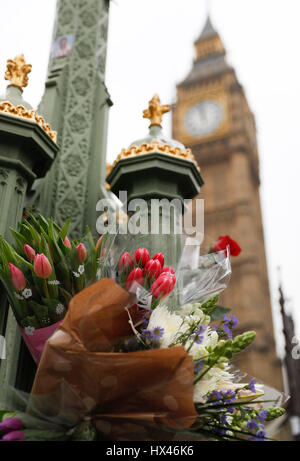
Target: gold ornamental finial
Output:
[
  {"x": 155, "y": 111},
  {"x": 17, "y": 71}
]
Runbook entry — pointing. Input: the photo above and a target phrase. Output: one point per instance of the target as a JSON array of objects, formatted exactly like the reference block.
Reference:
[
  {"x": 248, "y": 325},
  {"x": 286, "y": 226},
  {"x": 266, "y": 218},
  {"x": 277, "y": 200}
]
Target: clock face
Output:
[{"x": 204, "y": 118}]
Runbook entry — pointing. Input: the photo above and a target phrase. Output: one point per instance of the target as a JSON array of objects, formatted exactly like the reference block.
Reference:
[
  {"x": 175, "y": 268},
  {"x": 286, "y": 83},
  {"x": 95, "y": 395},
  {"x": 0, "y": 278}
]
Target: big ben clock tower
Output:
[{"x": 212, "y": 117}]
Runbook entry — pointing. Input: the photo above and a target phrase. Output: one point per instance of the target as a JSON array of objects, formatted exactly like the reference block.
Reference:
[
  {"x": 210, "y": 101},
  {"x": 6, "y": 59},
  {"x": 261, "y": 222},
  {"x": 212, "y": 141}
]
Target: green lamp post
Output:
[
  {"x": 158, "y": 168},
  {"x": 27, "y": 150}
]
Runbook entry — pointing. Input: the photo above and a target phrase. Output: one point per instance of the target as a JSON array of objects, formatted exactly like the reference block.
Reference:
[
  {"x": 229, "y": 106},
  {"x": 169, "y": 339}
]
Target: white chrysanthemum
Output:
[
  {"x": 170, "y": 322},
  {"x": 193, "y": 311},
  {"x": 189, "y": 309},
  {"x": 214, "y": 379},
  {"x": 210, "y": 339}
]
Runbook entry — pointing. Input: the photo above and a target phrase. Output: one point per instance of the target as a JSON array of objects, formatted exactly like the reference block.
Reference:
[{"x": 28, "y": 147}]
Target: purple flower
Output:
[
  {"x": 252, "y": 386},
  {"x": 234, "y": 321},
  {"x": 198, "y": 337},
  {"x": 147, "y": 334},
  {"x": 130, "y": 344},
  {"x": 157, "y": 333},
  {"x": 227, "y": 330},
  {"x": 262, "y": 415},
  {"x": 220, "y": 430},
  {"x": 261, "y": 434},
  {"x": 146, "y": 318},
  {"x": 229, "y": 395},
  {"x": 14, "y": 436},
  {"x": 252, "y": 424},
  {"x": 11, "y": 424},
  {"x": 229, "y": 324},
  {"x": 198, "y": 365},
  {"x": 214, "y": 397},
  {"x": 223, "y": 419}
]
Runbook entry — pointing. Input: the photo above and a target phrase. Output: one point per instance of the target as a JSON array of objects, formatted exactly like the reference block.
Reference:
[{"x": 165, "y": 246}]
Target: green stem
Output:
[
  {"x": 207, "y": 370},
  {"x": 46, "y": 288}
]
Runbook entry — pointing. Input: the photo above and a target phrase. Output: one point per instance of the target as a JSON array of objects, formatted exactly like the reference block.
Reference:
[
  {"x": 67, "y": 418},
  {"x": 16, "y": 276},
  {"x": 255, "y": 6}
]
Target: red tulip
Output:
[
  {"x": 81, "y": 251},
  {"x": 141, "y": 255},
  {"x": 67, "y": 242},
  {"x": 42, "y": 266},
  {"x": 14, "y": 436},
  {"x": 163, "y": 285},
  {"x": 168, "y": 269},
  {"x": 160, "y": 258},
  {"x": 170, "y": 276},
  {"x": 225, "y": 240},
  {"x": 17, "y": 277},
  {"x": 136, "y": 275},
  {"x": 30, "y": 253},
  {"x": 153, "y": 268},
  {"x": 125, "y": 263},
  {"x": 11, "y": 424}
]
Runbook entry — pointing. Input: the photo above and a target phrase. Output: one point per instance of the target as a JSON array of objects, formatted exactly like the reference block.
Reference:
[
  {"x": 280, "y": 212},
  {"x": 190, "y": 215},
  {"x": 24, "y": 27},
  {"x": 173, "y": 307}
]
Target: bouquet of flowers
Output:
[
  {"x": 121, "y": 369},
  {"x": 42, "y": 272}
]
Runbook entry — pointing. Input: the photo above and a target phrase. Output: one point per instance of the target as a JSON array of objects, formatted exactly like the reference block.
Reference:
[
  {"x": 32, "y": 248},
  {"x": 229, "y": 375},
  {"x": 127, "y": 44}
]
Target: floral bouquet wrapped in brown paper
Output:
[{"x": 116, "y": 369}]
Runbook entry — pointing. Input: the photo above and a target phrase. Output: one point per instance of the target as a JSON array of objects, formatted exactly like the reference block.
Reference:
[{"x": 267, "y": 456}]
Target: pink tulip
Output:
[
  {"x": 160, "y": 258},
  {"x": 14, "y": 436},
  {"x": 11, "y": 424},
  {"x": 125, "y": 263},
  {"x": 168, "y": 269},
  {"x": 17, "y": 277},
  {"x": 163, "y": 285},
  {"x": 136, "y": 275},
  {"x": 30, "y": 253},
  {"x": 153, "y": 268},
  {"x": 42, "y": 266},
  {"x": 81, "y": 251},
  {"x": 99, "y": 242},
  {"x": 141, "y": 256},
  {"x": 67, "y": 242}
]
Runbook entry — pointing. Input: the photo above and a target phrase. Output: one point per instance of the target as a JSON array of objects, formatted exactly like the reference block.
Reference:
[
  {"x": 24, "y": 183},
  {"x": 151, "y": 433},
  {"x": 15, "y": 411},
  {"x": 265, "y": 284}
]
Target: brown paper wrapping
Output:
[{"x": 79, "y": 378}]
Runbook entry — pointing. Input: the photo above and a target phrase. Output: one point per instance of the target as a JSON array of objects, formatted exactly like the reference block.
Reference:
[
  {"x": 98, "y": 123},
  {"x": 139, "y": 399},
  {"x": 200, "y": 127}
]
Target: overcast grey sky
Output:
[{"x": 150, "y": 49}]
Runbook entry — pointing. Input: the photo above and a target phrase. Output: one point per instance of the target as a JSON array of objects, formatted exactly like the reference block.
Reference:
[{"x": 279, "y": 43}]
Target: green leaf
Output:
[
  {"x": 7, "y": 252},
  {"x": 23, "y": 261},
  {"x": 65, "y": 295},
  {"x": 43, "y": 223},
  {"x": 30, "y": 321},
  {"x": 34, "y": 222},
  {"x": 52, "y": 305},
  {"x": 41, "y": 312},
  {"x": 64, "y": 230},
  {"x": 31, "y": 233},
  {"x": 20, "y": 240},
  {"x": 7, "y": 414},
  {"x": 90, "y": 238}
]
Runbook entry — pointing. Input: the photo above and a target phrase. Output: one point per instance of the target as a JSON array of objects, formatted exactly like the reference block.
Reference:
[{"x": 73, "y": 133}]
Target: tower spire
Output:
[{"x": 208, "y": 30}]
